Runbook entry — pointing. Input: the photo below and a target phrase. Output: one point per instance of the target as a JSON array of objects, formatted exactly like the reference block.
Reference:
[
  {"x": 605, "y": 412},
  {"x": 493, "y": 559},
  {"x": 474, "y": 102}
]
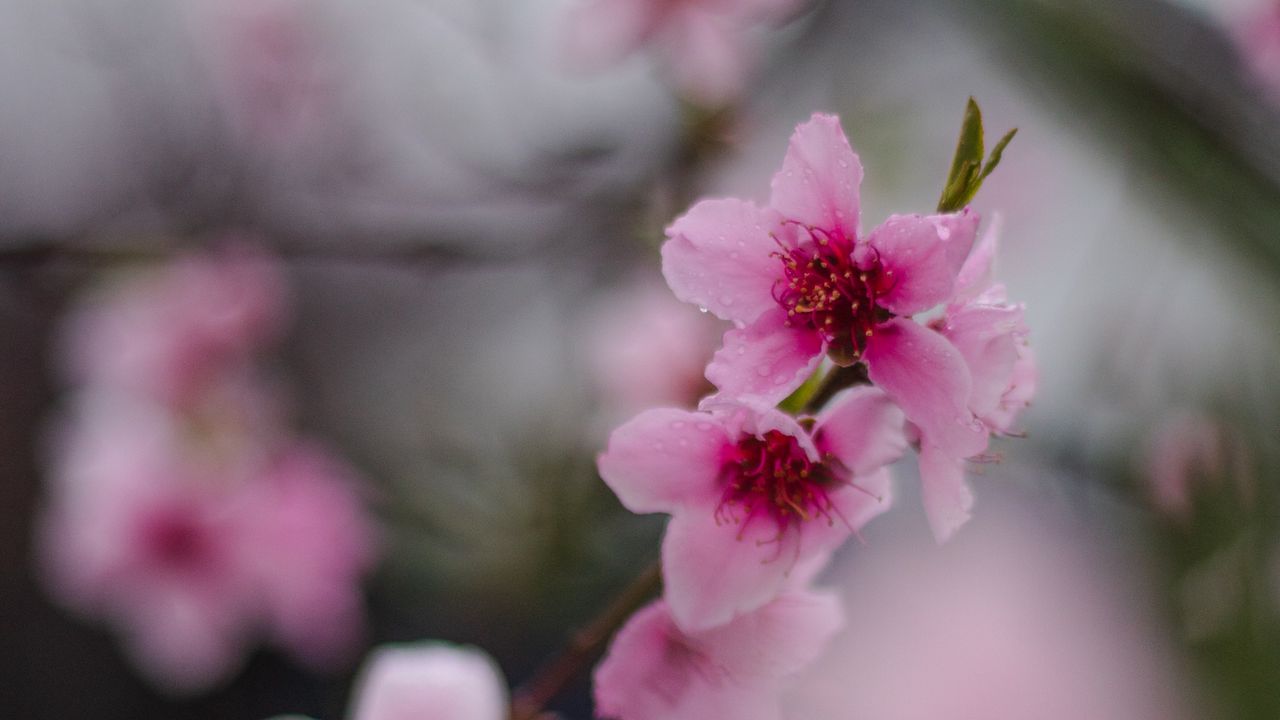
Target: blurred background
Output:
[{"x": 450, "y": 228}]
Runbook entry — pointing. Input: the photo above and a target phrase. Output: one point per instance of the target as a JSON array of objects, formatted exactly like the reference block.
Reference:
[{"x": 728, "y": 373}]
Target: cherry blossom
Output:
[
  {"x": 990, "y": 335},
  {"x": 656, "y": 671},
  {"x": 705, "y": 44},
  {"x": 799, "y": 280},
  {"x": 751, "y": 492},
  {"x": 170, "y": 334}
]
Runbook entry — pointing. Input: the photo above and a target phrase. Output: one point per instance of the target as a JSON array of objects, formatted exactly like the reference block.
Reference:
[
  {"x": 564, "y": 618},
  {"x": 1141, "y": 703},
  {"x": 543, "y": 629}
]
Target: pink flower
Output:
[
  {"x": 705, "y": 43},
  {"x": 751, "y": 493},
  {"x": 169, "y": 333},
  {"x": 310, "y": 545},
  {"x": 800, "y": 281},
  {"x": 991, "y": 336},
  {"x": 656, "y": 671},
  {"x": 429, "y": 681},
  {"x": 1258, "y": 38},
  {"x": 1185, "y": 450},
  {"x": 647, "y": 349},
  {"x": 192, "y": 544},
  {"x": 135, "y": 534}
]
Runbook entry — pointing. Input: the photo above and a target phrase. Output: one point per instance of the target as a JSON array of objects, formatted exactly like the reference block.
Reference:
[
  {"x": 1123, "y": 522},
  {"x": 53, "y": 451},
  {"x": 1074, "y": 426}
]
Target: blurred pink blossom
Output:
[
  {"x": 429, "y": 681},
  {"x": 1183, "y": 450},
  {"x": 705, "y": 45},
  {"x": 137, "y": 535},
  {"x": 1011, "y": 621},
  {"x": 192, "y": 552},
  {"x": 751, "y": 493},
  {"x": 647, "y": 348},
  {"x": 655, "y": 671},
  {"x": 180, "y": 509},
  {"x": 168, "y": 334},
  {"x": 310, "y": 544},
  {"x": 1258, "y": 37},
  {"x": 268, "y": 62}
]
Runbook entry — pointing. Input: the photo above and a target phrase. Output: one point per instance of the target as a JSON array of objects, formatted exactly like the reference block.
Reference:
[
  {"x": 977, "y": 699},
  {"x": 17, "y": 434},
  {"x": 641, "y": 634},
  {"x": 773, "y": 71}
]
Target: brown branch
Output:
[{"x": 586, "y": 645}]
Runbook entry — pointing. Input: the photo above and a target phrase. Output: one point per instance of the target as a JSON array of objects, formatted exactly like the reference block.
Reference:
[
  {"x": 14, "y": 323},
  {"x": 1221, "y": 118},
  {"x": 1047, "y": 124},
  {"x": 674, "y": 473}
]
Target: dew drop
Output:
[
  {"x": 742, "y": 349},
  {"x": 703, "y": 309},
  {"x": 733, "y": 255},
  {"x": 762, "y": 371},
  {"x": 677, "y": 425},
  {"x": 727, "y": 300},
  {"x": 944, "y": 232},
  {"x": 704, "y": 426}
]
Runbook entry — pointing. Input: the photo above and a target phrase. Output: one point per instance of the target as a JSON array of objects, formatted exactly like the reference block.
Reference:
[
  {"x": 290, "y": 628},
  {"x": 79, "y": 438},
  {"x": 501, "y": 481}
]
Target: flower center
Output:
[
  {"x": 772, "y": 476},
  {"x": 824, "y": 289}
]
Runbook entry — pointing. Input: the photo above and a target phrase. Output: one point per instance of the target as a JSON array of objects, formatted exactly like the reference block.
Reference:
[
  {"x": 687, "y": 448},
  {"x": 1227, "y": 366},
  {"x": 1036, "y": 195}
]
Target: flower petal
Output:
[
  {"x": 777, "y": 641},
  {"x": 718, "y": 256},
  {"x": 654, "y": 671},
  {"x": 988, "y": 337},
  {"x": 819, "y": 180},
  {"x": 765, "y": 361},
  {"x": 977, "y": 273},
  {"x": 863, "y": 428},
  {"x": 928, "y": 378},
  {"x": 947, "y": 499},
  {"x": 714, "y": 571},
  {"x": 924, "y": 253},
  {"x": 663, "y": 458}
]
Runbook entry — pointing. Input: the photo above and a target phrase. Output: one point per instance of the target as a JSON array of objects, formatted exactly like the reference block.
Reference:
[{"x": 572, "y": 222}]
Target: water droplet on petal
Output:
[
  {"x": 704, "y": 426},
  {"x": 703, "y": 309},
  {"x": 677, "y": 425},
  {"x": 762, "y": 371}
]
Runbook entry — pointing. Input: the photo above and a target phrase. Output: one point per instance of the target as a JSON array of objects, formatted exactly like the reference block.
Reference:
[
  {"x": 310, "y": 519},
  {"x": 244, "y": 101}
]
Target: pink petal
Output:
[
  {"x": 988, "y": 336},
  {"x": 924, "y": 254},
  {"x": 818, "y": 183},
  {"x": 718, "y": 256},
  {"x": 714, "y": 571},
  {"x": 863, "y": 428},
  {"x": 928, "y": 378},
  {"x": 977, "y": 273},
  {"x": 777, "y": 641},
  {"x": 947, "y": 499},
  {"x": 429, "y": 681},
  {"x": 1022, "y": 387},
  {"x": 664, "y": 458},
  {"x": 765, "y": 361},
  {"x": 654, "y": 671}
]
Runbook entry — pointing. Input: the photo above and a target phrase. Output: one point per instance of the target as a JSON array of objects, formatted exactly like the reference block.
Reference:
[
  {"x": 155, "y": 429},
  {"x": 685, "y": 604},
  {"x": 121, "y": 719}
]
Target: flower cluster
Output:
[
  {"x": 759, "y": 498},
  {"x": 181, "y": 509}
]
